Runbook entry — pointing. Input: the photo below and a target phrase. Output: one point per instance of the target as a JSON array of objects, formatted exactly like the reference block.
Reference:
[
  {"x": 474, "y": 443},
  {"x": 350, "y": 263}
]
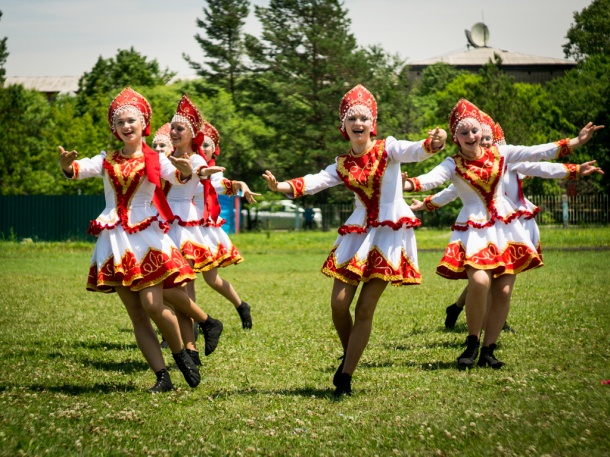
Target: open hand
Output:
[
  {"x": 271, "y": 181},
  {"x": 587, "y": 132},
  {"x": 417, "y": 205},
  {"x": 588, "y": 168},
  {"x": 66, "y": 158},
  {"x": 438, "y": 136}
]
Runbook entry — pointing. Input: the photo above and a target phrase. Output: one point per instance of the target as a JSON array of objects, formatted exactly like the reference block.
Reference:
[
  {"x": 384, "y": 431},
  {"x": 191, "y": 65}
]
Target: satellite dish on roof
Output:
[{"x": 478, "y": 35}]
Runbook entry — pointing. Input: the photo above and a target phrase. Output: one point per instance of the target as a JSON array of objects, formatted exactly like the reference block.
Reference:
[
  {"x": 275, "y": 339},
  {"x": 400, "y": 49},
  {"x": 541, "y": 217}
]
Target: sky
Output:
[{"x": 66, "y": 37}]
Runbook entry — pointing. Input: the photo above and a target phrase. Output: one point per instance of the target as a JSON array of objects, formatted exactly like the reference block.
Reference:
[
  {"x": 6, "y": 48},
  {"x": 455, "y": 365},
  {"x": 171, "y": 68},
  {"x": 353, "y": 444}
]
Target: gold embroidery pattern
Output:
[
  {"x": 482, "y": 173},
  {"x": 360, "y": 172}
]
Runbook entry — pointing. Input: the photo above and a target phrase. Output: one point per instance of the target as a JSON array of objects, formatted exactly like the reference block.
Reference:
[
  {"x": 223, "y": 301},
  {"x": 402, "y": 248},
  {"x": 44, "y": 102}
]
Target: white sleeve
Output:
[
  {"x": 435, "y": 177},
  {"x": 548, "y": 151},
  {"x": 408, "y": 151},
  {"x": 445, "y": 196},
  {"x": 91, "y": 167},
  {"x": 548, "y": 170},
  {"x": 168, "y": 171},
  {"x": 314, "y": 183}
]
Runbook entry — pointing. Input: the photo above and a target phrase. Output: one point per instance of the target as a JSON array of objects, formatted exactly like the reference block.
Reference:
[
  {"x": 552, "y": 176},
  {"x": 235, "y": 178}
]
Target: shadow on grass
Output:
[
  {"x": 428, "y": 366},
  {"x": 126, "y": 366},
  {"x": 75, "y": 389},
  {"x": 104, "y": 345},
  {"x": 307, "y": 392}
]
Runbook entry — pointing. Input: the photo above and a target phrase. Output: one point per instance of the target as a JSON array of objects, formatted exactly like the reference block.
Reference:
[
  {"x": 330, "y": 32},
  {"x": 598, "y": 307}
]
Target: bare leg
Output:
[
  {"x": 179, "y": 298},
  {"x": 363, "y": 322},
  {"x": 163, "y": 317},
  {"x": 146, "y": 338},
  {"x": 479, "y": 282},
  {"x": 340, "y": 301},
  {"x": 461, "y": 301},
  {"x": 186, "y": 330},
  {"x": 501, "y": 290},
  {"x": 222, "y": 286}
]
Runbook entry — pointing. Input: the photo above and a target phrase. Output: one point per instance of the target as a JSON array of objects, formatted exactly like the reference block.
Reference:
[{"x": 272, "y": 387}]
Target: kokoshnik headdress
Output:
[
  {"x": 130, "y": 99},
  {"x": 358, "y": 96},
  {"x": 189, "y": 114}
]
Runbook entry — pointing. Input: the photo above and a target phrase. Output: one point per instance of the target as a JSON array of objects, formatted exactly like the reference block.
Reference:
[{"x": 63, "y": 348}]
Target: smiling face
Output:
[
  {"x": 469, "y": 135},
  {"x": 181, "y": 135},
  {"x": 162, "y": 146},
  {"x": 128, "y": 125},
  {"x": 487, "y": 136},
  {"x": 358, "y": 125},
  {"x": 208, "y": 147}
]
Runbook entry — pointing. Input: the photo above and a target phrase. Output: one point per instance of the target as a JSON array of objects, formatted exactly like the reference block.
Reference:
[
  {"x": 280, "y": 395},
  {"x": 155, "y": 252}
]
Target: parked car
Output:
[{"x": 281, "y": 214}]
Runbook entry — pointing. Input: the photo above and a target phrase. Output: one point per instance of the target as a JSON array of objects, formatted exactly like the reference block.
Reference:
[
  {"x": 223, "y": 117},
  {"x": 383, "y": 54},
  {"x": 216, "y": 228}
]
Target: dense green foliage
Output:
[{"x": 274, "y": 99}]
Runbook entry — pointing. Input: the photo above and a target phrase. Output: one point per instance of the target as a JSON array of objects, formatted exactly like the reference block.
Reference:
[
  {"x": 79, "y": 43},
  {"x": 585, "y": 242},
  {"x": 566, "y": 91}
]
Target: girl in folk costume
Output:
[
  {"x": 376, "y": 245},
  {"x": 219, "y": 250},
  {"x": 514, "y": 173},
  {"x": 133, "y": 255},
  {"x": 186, "y": 225},
  {"x": 489, "y": 245},
  {"x": 162, "y": 142}
]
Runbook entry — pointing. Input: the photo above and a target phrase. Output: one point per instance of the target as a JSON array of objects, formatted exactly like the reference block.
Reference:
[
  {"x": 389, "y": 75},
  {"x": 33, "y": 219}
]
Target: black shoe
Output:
[
  {"x": 244, "y": 315},
  {"x": 339, "y": 371},
  {"x": 163, "y": 384},
  {"x": 452, "y": 311},
  {"x": 467, "y": 358},
  {"x": 211, "y": 329},
  {"x": 195, "y": 356},
  {"x": 487, "y": 358},
  {"x": 188, "y": 368},
  {"x": 344, "y": 385},
  {"x": 508, "y": 328}
]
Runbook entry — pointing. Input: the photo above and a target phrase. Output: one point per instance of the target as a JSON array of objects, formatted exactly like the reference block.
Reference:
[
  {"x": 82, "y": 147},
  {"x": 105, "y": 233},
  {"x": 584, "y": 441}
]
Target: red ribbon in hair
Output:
[
  {"x": 211, "y": 208},
  {"x": 153, "y": 173}
]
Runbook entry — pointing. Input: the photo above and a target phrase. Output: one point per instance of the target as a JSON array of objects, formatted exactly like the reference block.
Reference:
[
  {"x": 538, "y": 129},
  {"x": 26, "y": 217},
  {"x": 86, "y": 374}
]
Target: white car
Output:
[{"x": 281, "y": 214}]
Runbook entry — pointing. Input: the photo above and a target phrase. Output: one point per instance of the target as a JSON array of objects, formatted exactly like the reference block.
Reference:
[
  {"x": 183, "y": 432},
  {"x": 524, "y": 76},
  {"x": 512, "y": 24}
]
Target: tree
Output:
[
  {"x": 128, "y": 68},
  {"x": 224, "y": 47},
  {"x": 590, "y": 33},
  {"x": 307, "y": 61},
  {"x": 3, "y": 57}
]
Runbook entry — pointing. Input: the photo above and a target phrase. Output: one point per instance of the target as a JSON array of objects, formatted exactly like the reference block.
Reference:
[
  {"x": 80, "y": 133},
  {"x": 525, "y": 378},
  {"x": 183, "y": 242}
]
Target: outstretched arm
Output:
[
  {"x": 588, "y": 168},
  {"x": 276, "y": 186},
  {"x": 245, "y": 191},
  {"x": 585, "y": 135},
  {"x": 65, "y": 160}
]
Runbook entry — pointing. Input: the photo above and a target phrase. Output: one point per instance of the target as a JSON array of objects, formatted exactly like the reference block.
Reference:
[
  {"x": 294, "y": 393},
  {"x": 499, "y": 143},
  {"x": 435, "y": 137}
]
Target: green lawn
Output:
[{"x": 74, "y": 383}]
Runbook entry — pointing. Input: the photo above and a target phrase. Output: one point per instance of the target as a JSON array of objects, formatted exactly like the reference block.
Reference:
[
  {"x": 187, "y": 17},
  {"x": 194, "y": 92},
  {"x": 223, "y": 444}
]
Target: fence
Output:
[
  {"x": 67, "y": 217},
  {"x": 581, "y": 209}
]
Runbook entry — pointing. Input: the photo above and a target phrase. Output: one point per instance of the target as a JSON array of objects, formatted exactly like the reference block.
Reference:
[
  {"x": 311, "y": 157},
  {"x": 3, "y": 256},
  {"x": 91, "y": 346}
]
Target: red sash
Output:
[
  {"x": 153, "y": 173},
  {"x": 211, "y": 209}
]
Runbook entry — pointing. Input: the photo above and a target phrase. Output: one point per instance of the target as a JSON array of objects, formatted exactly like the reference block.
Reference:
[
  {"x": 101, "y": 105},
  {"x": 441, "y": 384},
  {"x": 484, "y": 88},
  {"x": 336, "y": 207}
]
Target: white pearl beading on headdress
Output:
[
  {"x": 123, "y": 109},
  {"x": 183, "y": 120}
]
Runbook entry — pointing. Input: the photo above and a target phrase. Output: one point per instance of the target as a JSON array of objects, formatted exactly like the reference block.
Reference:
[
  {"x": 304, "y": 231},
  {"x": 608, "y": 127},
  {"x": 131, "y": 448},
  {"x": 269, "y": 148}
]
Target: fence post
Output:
[{"x": 564, "y": 207}]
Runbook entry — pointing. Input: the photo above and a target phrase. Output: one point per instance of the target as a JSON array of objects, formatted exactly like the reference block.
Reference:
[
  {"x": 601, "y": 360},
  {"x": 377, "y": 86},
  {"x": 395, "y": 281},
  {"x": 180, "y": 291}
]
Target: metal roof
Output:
[
  {"x": 46, "y": 84},
  {"x": 481, "y": 56}
]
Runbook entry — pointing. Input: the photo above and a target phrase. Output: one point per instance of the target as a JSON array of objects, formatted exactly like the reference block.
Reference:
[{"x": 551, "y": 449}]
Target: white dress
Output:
[
  {"x": 132, "y": 248},
  {"x": 377, "y": 240},
  {"x": 219, "y": 249},
  {"x": 186, "y": 227},
  {"x": 487, "y": 233},
  {"x": 514, "y": 173}
]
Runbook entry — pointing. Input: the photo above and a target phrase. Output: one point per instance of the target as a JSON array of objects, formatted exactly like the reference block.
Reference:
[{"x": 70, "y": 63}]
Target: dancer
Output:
[
  {"x": 187, "y": 223},
  {"x": 514, "y": 173},
  {"x": 133, "y": 256},
  {"x": 489, "y": 245},
  {"x": 162, "y": 142},
  {"x": 219, "y": 249},
  {"x": 376, "y": 245}
]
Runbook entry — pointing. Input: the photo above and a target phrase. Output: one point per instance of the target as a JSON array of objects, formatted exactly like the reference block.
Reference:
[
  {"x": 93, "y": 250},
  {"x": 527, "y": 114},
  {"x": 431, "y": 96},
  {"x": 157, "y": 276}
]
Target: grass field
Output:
[{"x": 74, "y": 383}]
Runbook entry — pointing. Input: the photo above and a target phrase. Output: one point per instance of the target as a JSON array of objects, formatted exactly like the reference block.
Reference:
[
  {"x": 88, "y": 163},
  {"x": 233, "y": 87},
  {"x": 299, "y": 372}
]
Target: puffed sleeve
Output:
[
  {"x": 548, "y": 151},
  {"x": 435, "y": 177},
  {"x": 442, "y": 198},
  {"x": 169, "y": 172},
  {"x": 91, "y": 167},
  {"x": 409, "y": 151},
  {"x": 314, "y": 183},
  {"x": 548, "y": 170}
]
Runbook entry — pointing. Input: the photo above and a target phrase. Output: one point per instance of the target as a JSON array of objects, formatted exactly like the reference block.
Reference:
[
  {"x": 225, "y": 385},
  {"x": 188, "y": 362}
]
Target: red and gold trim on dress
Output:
[
  {"x": 403, "y": 222},
  {"x": 427, "y": 145},
  {"x": 514, "y": 258},
  {"x": 572, "y": 171},
  {"x": 415, "y": 183},
  {"x": 227, "y": 185},
  {"x": 156, "y": 267},
  {"x": 125, "y": 176},
  {"x": 375, "y": 266},
  {"x": 563, "y": 148},
  {"x": 219, "y": 258},
  {"x": 362, "y": 174},
  {"x": 298, "y": 187},
  {"x": 429, "y": 204},
  {"x": 75, "y": 170}
]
